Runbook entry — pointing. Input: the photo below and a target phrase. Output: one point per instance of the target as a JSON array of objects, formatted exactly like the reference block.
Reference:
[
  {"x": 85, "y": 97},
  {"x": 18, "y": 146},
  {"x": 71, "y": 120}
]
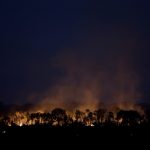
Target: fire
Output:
[
  {"x": 120, "y": 120},
  {"x": 21, "y": 124},
  {"x": 59, "y": 116}
]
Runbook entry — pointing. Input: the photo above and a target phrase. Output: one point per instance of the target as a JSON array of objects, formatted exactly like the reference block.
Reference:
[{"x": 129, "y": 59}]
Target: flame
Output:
[{"x": 87, "y": 117}]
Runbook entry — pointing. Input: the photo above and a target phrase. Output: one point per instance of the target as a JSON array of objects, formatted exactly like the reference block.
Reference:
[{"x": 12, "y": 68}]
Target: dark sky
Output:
[{"x": 34, "y": 33}]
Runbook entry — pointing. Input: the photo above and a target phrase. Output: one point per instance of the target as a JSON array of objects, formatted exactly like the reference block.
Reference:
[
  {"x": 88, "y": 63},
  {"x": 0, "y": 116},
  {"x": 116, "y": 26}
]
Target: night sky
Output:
[{"x": 40, "y": 40}]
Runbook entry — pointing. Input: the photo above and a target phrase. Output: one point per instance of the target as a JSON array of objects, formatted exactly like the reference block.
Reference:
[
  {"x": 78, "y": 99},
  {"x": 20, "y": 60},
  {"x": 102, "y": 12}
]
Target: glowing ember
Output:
[
  {"x": 59, "y": 117},
  {"x": 20, "y": 124},
  {"x": 120, "y": 120}
]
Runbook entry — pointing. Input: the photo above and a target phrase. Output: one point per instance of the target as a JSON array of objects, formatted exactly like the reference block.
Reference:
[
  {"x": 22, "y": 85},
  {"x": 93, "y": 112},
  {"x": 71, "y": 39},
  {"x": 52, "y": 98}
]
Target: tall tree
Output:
[{"x": 59, "y": 115}]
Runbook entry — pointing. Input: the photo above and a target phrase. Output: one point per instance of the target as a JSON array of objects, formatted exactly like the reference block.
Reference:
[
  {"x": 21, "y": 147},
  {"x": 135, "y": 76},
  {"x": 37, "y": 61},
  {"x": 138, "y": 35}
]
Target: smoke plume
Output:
[{"x": 98, "y": 73}]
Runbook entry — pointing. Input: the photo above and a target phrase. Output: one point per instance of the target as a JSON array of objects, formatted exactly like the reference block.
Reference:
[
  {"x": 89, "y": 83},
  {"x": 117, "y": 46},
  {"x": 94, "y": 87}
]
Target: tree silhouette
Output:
[
  {"x": 100, "y": 114},
  {"x": 59, "y": 115},
  {"x": 110, "y": 117},
  {"x": 79, "y": 116},
  {"x": 90, "y": 118},
  {"x": 130, "y": 117},
  {"x": 47, "y": 118},
  {"x": 35, "y": 117}
]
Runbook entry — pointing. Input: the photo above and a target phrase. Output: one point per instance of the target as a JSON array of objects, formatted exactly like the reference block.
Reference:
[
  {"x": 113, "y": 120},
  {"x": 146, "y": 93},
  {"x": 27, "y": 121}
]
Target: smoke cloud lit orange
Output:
[{"x": 87, "y": 82}]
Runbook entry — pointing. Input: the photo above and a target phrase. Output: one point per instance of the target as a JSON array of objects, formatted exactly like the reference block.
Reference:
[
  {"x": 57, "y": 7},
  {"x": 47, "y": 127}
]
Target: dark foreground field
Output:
[{"x": 87, "y": 136}]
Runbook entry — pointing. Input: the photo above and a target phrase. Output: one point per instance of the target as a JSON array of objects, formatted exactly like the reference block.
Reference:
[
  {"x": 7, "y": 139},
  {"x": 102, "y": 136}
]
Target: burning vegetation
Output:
[
  {"x": 87, "y": 91},
  {"x": 61, "y": 117}
]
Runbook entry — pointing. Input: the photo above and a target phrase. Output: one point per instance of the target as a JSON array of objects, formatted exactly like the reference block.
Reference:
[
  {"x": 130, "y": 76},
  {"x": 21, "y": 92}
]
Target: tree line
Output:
[{"x": 60, "y": 117}]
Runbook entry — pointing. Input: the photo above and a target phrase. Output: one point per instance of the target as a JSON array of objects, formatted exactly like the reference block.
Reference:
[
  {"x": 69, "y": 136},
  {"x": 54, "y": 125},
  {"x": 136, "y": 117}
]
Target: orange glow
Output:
[{"x": 86, "y": 117}]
